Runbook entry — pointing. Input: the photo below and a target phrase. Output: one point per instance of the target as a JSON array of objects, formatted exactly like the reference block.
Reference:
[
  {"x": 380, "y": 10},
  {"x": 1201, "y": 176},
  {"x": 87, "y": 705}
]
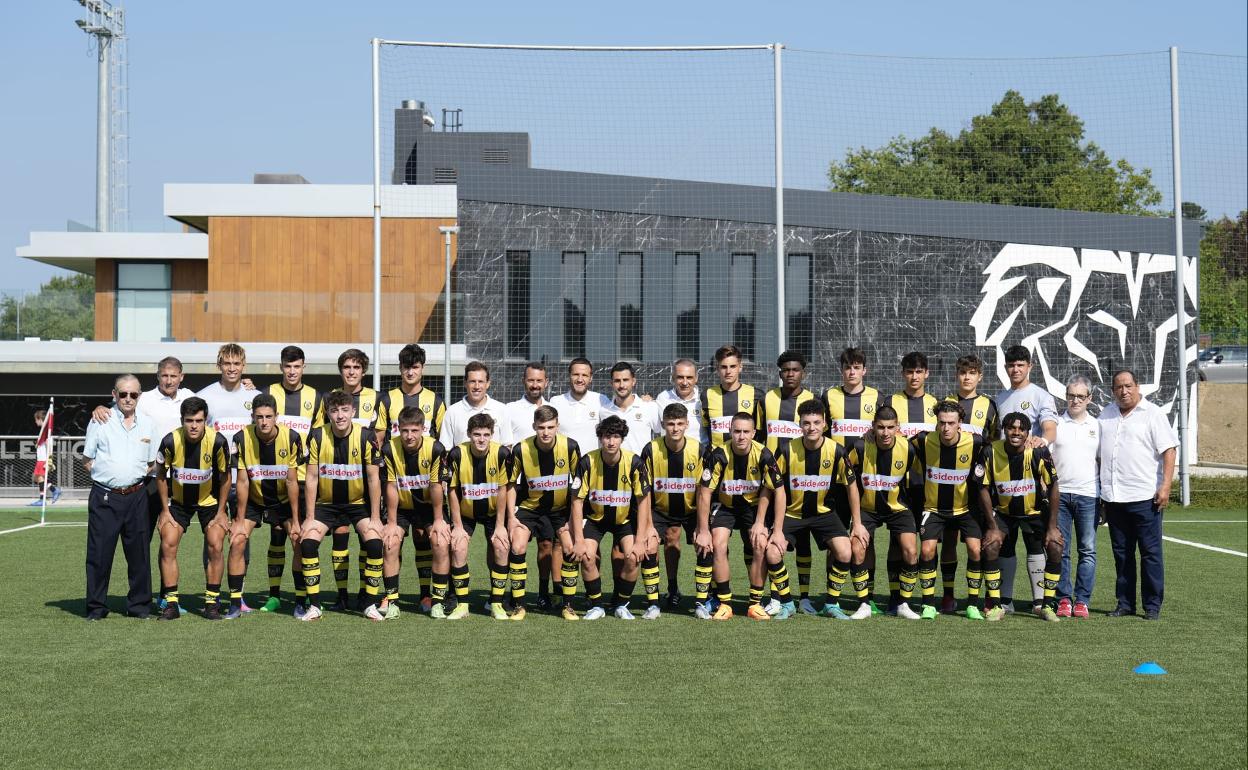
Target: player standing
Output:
[
  {"x": 478, "y": 474},
  {"x": 413, "y": 489},
  {"x": 674, "y": 463}
]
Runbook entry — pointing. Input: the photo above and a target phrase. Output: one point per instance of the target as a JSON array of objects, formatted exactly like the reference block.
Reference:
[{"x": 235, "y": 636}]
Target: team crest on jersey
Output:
[
  {"x": 1025, "y": 405},
  {"x": 281, "y": 453},
  {"x": 637, "y": 416},
  {"x": 307, "y": 404},
  {"x": 979, "y": 413},
  {"x": 366, "y": 407},
  {"x": 962, "y": 459},
  {"x": 745, "y": 404},
  {"x": 931, "y": 412},
  {"x": 593, "y": 414},
  {"x": 559, "y": 463},
  {"x": 689, "y": 466},
  {"x": 491, "y": 470},
  {"x": 207, "y": 457},
  {"x": 247, "y": 405},
  {"x": 355, "y": 452},
  {"x": 425, "y": 408},
  {"x": 899, "y": 465},
  {"x": 869, "y": 408},
  {"x": 827, "y": 463},
  {"x": 424, "y": 464}
]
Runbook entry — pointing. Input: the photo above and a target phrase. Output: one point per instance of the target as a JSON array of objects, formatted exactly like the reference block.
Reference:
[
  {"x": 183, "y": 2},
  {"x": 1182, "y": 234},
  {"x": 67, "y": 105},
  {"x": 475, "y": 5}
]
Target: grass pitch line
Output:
[
  {"x": 1206, "y": 521},
  {"x": 1203, "y": 546},
  {"x": 19, "y": 529}
]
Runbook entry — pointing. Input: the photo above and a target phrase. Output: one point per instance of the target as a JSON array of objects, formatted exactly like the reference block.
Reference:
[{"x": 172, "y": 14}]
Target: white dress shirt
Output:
[
  {"x": 693, "y": 404},
  {"x": 1033, "y": 401},
  {"x": 1131, "y": 452},
  {"x": 455, "y": 423},
  {"x": 578, "y": 419},
  {"x": 520, "y": 418},
  {"x": 642, "y": 418},
  {"x": 1074, "y": 454},
  {"x": 164, "y": 412}
]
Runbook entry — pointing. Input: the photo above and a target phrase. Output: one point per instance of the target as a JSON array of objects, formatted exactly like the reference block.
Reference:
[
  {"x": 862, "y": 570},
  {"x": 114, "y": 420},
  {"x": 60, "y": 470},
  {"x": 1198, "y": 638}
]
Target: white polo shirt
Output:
[
  {"x": 642, "y": 418},
  {"x": 164, "y": 412},
  {"x": 520, "y": 418},
  {"x": 578, "y": 419},
  {"x": 693, "y": 404},
  {"x": 455, "y": 423},
  {"x": 1033, "y": 401},
  {"x": 1074, "y": 454},
  {"x": 229, "y": 411},
  {"x": 1131, "y": 450}
]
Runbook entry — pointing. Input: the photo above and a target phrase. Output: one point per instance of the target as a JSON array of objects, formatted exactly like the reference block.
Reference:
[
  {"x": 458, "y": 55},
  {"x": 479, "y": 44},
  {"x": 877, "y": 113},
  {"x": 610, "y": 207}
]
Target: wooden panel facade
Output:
[
  {"x": 105, "y": 299},
  {"x": 189, "y": 320}
]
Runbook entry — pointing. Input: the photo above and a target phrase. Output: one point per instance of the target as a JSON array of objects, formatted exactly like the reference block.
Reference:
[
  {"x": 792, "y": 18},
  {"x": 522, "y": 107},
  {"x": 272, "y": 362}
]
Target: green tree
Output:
[
  {"x": 63, "y": 308},
  {"x": 1224, "y": 279},
  {"x": 1020, "y": 154}
]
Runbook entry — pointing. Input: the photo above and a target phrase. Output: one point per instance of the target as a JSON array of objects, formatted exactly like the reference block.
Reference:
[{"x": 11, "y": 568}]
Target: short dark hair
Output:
[
  {"x": 790, "y": 356},
  {"x": 612, "y": 426},
  {"x": 411, "y": 415},
  {"x": 811, "y": 406},
  {"x": 168, "y": 362},
  {"x": 263, "y": 400},
  {"x": 580, "y": 360},
  {"x": 969, "y": 363},
  {"x": 353, "y": 354},
  {"x": 476, "y": 366},
  {"x": 192, "y": 406},
  {"x": 292, "y": 353},
  {"x": 675, "y": 412},
  {"x": 1016, "y": 417},
  {"x": 536, "y": 366},
  {"x": 480, "y": 420},
  {"x": 1135, "y": 380},
  {"x": 851, "y": 356},
  {"x": 743, "y": 416},
  {"x": 545, "y": 413},
  {"x": 336, "y": 398},
  {"x": 1017, "y": 353},
  {"x": 885, "y": 412},
  {"x": 727, "y": 351},
  {"x": 410, "y": 355},
  {"x": 913, "y": 360},
  {"x": 624, "y": 366},
  {"x": 946, "y": 407}
]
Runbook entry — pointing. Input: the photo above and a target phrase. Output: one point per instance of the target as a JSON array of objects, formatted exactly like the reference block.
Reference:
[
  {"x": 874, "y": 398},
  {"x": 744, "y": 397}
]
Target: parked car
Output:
[{"x": 1225, "y": 363}]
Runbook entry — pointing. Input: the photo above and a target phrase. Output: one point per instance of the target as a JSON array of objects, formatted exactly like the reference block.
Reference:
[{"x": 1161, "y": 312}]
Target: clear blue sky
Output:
[{"x": 221, "y": 90}]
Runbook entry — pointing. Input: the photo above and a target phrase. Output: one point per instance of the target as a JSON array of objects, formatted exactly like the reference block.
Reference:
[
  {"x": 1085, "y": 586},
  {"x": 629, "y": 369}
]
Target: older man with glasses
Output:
[{"x": 1075, "y": 450}]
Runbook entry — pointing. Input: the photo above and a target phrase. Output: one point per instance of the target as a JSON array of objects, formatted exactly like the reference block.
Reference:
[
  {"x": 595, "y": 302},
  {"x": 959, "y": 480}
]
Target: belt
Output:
[{"x": 124, "y": 490}]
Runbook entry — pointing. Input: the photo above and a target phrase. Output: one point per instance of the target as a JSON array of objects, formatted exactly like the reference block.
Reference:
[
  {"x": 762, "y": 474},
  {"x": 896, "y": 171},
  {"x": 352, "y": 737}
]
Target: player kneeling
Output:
[
  {"x": 612, "y": 496},
  {"x": 268, "y": 489},
  {"x": 477, "y": 476},
  {"x": 344, "y": 488},
  {"x": 413, "y": 463}
]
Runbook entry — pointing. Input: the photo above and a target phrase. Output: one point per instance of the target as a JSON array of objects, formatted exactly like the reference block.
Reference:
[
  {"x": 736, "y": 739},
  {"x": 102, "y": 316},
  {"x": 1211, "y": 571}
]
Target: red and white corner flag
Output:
[{"x": 43, "y": 446}]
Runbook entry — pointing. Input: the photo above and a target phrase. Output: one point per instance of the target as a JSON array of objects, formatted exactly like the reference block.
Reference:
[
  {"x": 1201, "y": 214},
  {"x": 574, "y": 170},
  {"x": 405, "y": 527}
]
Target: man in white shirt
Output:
[
  {"x": 1137, "y": 464},
  {"x": 1074, "y": 451},
  {"x": 580, "y": 409},
  {"x": 162, "y": 404},
  {"x": 684, "y": 391},
  {"x": 476, "y": 400},
  {"x": 520, "y": 411},
  {"x": 1026, "y": 397},
  {"x": 642, "y": 417}
]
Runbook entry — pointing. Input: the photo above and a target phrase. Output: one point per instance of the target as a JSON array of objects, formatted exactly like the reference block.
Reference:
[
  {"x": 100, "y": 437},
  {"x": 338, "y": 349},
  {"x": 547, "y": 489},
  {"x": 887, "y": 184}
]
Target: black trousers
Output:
[{"x": 111, "y": 516}]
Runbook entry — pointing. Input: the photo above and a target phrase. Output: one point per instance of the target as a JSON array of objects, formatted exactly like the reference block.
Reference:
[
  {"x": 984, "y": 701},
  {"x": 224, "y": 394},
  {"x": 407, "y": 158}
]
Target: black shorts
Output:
[
  {"x": 822, "y": 528},
  {"x": 934, "y": 524},
  {"x": 743, "y": 519},
  {"x": 1032, "y": 529},
  {"x": 470, "y": 525},
  {"x": 663, "y": 523},
  {"x": 183, "y": 516},
  {"x": 597, "y": 530},
  {"x": 271, "y": 516},
  {"x": 335, "y": 516},
  {"x": 898, "y": 522},
  {"x": 419, "y": 518},
  {"x": 542, "y": 526}
]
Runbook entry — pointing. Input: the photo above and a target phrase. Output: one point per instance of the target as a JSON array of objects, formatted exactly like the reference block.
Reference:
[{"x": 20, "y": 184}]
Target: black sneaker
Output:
[
  {"x": 170, "y": 612},
  {"x": 340, "y": 605},
  {"x": 1122, "y": 612},
  {"x": 544, "y": 603},
  {"x": 1152, "y": 615},
  {"x": 212, "y": 611},
  {"x": 673, "y": 600}
]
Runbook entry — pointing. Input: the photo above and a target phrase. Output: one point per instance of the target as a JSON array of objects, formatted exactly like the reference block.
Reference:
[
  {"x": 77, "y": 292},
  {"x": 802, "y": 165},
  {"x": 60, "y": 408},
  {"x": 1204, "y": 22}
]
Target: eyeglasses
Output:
[
  {"x": 126, "y": 394},
  {"x": 1078, "y": 396}
]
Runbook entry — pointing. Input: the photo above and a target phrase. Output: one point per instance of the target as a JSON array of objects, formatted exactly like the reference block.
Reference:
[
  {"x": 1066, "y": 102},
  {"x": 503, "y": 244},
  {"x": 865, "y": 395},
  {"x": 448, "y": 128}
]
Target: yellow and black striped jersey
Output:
[
  {"x": 916, "y": 415},
  {"x": 738, "y": 480},
  {"x": 413, "y": 473},
  {"x": 980, "y": 413},
  {"x": 850, "y": 414},
  {"x": 366, "y": 405},
  {"x": 611, "y": 492},
  {"x": 1019, "y": 483},
  {"x": 478, "y": 481},
  {"x": 395, "y": 400},
  {"x": 718, "y": 407},
  {"x": 267, "y": 464},
  {"x": 952, "y": 475},
  {"x": 542, "y": 476},
  {"x": 341, "y": 463},
  {"x": 300, "y": 410},
  {"x": 811, "y": 476},
  {"x": 780, "y": 423},
  {"x": 674, "y": 476},
  {"x": 891, "y": 479},
  {"x": 196, "y": 469}
]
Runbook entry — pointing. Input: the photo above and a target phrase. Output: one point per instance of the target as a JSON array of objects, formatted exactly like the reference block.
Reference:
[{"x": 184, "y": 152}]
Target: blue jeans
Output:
[
  {"x": 1079, "y": 510},
  {"x": 1131, "y": 526}
]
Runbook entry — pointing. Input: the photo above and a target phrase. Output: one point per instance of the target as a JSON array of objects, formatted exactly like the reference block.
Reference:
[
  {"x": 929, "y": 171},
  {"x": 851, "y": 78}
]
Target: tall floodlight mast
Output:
[{"x": 106, "y": 25}]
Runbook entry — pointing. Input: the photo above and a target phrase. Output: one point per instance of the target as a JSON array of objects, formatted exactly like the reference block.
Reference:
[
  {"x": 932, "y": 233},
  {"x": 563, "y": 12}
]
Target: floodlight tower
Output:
[{"x": 106, "y": 24}]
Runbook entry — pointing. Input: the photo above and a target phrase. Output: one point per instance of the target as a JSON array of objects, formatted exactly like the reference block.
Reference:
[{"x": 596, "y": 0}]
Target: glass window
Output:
[
  {"x": 144, "y": 301},
  {"x": 741, "y": 299},
  {"x": 798, "y": 299},
  {"x": 517, "y": 298},
  {"x": 685, "y": 292},
  {"x": 628, "y": 293},
  {"x": 573, "y": 304}
]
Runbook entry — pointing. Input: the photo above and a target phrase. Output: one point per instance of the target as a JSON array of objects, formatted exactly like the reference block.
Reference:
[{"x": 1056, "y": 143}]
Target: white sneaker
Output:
[
  {"x": 594, "y": 613},
  {"x": 622, "y": 613},
  {"x": 652, "y": 613},
  {"x": 1009, "y": 608},
  {"x": 772, "y": 607},
  {"x": 311, "y": 613},
  {"x": 701, "y": 612},
  {"x": 904, "y": 611},
  {"x": 862, "y": 613},
  {"x": 807, "y": 607},
  {"x": 372, "y": 613}
]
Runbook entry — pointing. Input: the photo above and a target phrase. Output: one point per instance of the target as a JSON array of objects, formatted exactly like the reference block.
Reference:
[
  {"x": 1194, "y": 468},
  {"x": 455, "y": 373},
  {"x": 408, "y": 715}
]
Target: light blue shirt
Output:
[
  {"x": 120, "y": 455},
  {"x": 1033, "y": 401}
]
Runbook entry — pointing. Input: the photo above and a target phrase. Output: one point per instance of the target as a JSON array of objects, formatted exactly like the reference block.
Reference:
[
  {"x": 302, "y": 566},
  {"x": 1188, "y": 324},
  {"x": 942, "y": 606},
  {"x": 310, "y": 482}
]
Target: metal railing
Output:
[{"x": 17, "y": 465}]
